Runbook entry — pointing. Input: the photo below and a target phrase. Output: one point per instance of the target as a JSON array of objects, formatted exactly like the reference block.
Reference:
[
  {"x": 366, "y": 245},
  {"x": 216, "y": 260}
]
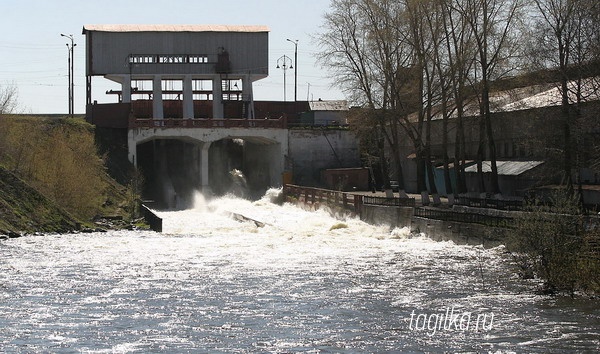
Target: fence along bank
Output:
[{"x": 462, "y": 225}]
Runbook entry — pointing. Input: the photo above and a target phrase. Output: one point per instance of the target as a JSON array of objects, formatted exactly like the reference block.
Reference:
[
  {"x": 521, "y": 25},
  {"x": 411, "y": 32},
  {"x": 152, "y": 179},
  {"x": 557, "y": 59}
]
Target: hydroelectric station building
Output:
[{"x": 186, "y": 102}]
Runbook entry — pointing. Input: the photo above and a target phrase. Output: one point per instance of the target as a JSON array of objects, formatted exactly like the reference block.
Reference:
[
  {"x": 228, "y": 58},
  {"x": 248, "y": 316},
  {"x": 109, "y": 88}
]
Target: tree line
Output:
[{"x": 408, "y": 62}]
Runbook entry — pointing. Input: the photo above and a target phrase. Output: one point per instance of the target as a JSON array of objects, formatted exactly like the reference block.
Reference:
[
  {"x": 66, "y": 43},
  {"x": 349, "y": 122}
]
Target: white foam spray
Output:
[{"x": 214, "y": 216}]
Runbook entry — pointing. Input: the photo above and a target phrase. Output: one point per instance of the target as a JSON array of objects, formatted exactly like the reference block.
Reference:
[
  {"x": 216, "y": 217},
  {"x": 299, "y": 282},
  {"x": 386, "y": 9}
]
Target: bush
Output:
[
  {"x": 133, "y": 193},
  {"x": 59, "y": 158},
  {"x": 550, "y": 241}
]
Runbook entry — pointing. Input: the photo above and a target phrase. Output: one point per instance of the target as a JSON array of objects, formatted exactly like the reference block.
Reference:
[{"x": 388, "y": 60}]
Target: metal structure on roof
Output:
[
  {"x": 320, "y": 105},
  {"x": 185, "y": 63},
  {"x": 506, "y": 168}
]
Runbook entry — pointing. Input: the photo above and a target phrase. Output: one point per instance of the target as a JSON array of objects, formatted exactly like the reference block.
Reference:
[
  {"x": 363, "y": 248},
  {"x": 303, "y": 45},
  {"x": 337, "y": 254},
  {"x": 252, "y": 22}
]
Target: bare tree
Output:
[
  {"x": 410, "y": 61},
  {"x": 425, "y": 33},
  {"x": 441, "y": 59},
  {"x": 492, "y": 23},
  {"x": 8, "y": 103},
  {"x": 364, "y": 45},
  {"x": 460, "y": 51},
  {"x": 569, "y": 31},
  {"x": 8, "y": 99}
]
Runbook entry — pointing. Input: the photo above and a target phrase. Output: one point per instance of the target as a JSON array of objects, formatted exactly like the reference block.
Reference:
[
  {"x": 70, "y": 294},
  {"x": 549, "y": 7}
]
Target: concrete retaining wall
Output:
[
  {"x": 387, "y": 215},
  {"x": 314, "y": 150},
  {"x": 460, "y": 233}
]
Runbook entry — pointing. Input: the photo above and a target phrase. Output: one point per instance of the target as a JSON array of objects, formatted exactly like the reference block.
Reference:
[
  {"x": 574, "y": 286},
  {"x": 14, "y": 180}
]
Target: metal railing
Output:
[
  {"x": 317, "y": 196},
  {"x": 207, "y": 123},
  {"x": 354, "y": 203},
  {"x": 490, "y": 203},
  {"x": 397, "y": 202},
  {"x": 447, "y": 215}
]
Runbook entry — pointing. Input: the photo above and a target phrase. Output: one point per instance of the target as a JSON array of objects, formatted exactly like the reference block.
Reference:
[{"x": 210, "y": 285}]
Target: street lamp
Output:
[
  {"x": 295, "y": 42},
  {"x": 71, "y": 73},
  {"x": 284, "y": 60}
]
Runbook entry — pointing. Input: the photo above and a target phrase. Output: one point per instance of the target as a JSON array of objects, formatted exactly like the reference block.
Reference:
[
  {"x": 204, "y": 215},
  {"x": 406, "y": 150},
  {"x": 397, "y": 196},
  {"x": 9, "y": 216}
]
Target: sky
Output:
[{"x": 34, "y": 56}]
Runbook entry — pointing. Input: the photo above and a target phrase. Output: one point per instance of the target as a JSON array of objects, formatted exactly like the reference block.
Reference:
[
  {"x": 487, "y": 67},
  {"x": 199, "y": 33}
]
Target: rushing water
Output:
[{"x": 304, "y": 282}]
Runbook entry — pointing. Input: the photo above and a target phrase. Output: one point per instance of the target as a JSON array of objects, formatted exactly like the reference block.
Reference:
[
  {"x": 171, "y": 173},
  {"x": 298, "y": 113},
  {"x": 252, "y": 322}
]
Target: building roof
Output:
[
  {"x": 450, "y": 165},
  {"x": 340, "y": 105},
  {"x": 527, "y": 97},
  {"x": 174, "y": 28},
  {"x": 552, "y": 95},
  {"x": 506, "y": 168}
]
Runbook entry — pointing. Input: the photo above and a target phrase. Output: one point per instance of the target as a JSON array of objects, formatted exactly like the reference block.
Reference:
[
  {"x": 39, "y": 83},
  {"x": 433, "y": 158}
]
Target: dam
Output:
[
  {"x": 185, "y": 158},
  {"x": 185, "y": 99},
  {"x": 186, "y": 117}
]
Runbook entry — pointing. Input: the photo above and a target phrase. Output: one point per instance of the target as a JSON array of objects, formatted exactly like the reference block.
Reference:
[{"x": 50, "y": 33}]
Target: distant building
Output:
[
  {"x": 329, "y": 112},
  {"x": 514, "y": 177},
  {"x": 528, "y": 132},
  {"x": 325, "y": 113}
]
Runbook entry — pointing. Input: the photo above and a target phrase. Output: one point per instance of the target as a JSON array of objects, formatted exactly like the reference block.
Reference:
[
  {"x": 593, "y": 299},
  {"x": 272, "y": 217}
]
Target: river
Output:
[{"x": 303, "y": 282}]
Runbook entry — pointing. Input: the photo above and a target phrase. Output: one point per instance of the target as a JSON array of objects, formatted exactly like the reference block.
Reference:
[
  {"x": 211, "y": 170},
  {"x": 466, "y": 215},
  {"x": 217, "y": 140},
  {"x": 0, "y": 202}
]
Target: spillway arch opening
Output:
[{"x": 175, "y": 169}]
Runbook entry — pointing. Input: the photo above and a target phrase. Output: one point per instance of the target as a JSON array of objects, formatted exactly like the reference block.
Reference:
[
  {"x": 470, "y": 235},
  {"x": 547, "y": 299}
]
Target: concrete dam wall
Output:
[{"x": 176, "y": 162}]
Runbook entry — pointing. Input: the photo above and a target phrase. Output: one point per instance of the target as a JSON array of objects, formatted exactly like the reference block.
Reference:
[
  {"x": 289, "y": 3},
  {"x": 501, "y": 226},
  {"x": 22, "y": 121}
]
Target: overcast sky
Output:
[{"x": 34, "y": 55}]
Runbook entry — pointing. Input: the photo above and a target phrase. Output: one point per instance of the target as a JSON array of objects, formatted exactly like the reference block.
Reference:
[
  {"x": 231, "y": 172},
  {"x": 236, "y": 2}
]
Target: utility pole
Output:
[
  {"x": 284, "y": 60},
  {"x": 71, "y": 75},
  {"x": 69, "y": 78},
  {"x": 295, "y": 42}
]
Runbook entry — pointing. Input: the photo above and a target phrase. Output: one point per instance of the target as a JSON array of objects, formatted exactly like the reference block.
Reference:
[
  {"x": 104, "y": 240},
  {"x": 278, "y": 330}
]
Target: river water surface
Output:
[{"x": 304, "y": 282}]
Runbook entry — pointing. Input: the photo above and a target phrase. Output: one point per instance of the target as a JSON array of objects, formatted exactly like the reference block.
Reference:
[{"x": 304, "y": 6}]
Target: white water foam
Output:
[{"x": 222, "y": 214}]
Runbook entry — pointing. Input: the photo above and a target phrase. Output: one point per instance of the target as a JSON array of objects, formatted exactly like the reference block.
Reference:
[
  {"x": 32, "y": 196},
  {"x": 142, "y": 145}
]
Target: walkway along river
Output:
[{"x": 298, "y": 281}]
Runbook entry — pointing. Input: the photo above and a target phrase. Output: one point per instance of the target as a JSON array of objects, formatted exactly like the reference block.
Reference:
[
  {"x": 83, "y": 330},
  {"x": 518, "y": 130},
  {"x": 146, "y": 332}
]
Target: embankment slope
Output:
[{"x": 24, "y": 209}]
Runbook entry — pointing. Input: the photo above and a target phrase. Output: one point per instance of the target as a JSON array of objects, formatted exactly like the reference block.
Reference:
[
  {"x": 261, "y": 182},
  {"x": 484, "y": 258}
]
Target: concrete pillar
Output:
[
  {"x": 277, "y": 166},
  {"x": 279, "y": 152},
  {"x": 131, "y": 147},
  {"x": 204, "y": 167},
  {"x": 126, "y": 88},
  {"x": 196, "y": 164},
  {"x": 157, "y": 102},
  {"x": 188, "y": 97},
  {"x": 248, "y": 96},
  {"x": 217, "y": 97}
]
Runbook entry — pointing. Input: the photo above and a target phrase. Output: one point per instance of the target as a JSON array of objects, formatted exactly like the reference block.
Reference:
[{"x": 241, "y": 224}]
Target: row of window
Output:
[{"x": 168, "y": 59}]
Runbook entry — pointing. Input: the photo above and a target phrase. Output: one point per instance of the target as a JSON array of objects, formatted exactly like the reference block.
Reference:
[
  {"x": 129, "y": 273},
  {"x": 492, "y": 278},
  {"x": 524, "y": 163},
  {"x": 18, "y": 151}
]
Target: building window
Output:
[
  {"x": 168, "y": 59},
  {"x": 171, "y": 59},
  {"x": 141, "y": 59},
  {"x": 197, "y": 59}
]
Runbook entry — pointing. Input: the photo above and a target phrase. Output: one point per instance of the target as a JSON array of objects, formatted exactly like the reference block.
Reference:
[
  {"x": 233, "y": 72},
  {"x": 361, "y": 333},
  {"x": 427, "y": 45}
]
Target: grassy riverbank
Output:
[
  {"x": 24, "y": 209},
  {"x": 52, "y": 177}
]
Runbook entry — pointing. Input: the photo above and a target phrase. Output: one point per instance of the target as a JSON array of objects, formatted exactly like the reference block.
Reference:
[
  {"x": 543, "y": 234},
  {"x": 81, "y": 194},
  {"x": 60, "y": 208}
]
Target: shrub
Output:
[
  {"x": 550, "y": 240},
  {"x": 59, "y": 158}
]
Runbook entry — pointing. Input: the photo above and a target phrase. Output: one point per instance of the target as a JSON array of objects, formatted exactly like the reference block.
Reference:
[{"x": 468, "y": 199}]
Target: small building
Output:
[
  {"x": 440, "y": 182},
  {"x": 325, "y": 113},
  {"x": 514, "y": 177}
]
